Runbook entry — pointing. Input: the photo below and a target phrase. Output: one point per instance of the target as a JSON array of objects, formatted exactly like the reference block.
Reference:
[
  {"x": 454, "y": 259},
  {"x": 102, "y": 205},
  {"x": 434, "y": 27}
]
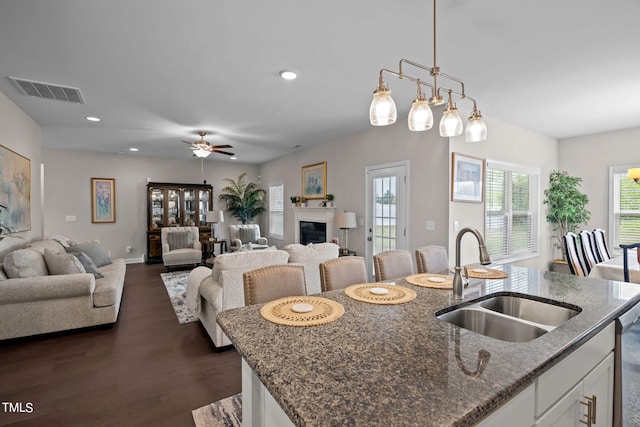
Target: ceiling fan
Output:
[{"x": 203, "y": 148}]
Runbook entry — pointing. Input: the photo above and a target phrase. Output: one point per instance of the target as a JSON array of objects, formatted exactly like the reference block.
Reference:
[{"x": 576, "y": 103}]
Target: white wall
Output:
[
  {"x": 20, "y": 133},
  {"x": 511, "y": 144},
  {"x": 347, "y": 159},
  {"x": 68, "y": 192},
  {"x": 589, "y": 157}
]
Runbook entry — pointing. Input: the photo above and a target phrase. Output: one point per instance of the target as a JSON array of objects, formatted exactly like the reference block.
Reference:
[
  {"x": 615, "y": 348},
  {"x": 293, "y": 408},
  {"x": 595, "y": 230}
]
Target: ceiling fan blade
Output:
[
  {"x": 223, "y": 152},
  {"x": 186, "y": 142},
  {"x": 222, "y": 146}
]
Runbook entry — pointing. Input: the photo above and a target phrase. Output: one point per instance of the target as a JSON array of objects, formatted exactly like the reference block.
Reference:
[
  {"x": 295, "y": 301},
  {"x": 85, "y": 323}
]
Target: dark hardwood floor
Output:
[{"x": 148, "y": 370}]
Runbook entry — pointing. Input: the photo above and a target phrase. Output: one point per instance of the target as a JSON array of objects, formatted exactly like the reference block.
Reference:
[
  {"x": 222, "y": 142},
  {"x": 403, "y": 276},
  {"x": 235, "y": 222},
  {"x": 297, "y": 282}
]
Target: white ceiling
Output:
[{"x": 157, "y": 72}]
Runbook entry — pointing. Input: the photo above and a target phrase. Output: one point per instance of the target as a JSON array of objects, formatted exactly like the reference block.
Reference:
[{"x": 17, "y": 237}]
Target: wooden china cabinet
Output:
[{"x": 173, "y": 205}]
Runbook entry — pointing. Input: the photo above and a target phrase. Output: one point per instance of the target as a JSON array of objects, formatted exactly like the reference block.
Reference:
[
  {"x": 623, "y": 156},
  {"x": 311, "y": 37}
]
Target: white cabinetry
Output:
[{"x": 579, "y": 386}]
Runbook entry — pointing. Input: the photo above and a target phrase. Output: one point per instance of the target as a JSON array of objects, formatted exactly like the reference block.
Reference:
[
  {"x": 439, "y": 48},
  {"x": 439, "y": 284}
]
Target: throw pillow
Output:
[
  {"x": 179, "y": 240},
  {"x": 248, "y": 234},
  {"x": 94, "y": 250},
  {"x": 58, "y": 263},
  {"x": 25, "y": 263},
  {"x": 88, "y": 264}
]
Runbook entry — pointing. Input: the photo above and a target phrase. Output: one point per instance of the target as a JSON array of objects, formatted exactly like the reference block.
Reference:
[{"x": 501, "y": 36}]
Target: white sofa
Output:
[
  {"x": 37, "y": 297},
  {"x": 212, "y": 291}
]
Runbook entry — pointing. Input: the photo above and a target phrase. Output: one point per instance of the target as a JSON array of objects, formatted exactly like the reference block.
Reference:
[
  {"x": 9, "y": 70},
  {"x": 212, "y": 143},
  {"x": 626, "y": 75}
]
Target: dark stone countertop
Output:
[{"x": 397, "y": 365}]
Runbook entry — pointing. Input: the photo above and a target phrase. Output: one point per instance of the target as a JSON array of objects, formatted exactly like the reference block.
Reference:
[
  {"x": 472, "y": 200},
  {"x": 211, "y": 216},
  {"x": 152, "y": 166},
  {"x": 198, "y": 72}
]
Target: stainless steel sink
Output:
[
  {"x": 529, "y": 309},
  {"x": 509, "y": 316}
]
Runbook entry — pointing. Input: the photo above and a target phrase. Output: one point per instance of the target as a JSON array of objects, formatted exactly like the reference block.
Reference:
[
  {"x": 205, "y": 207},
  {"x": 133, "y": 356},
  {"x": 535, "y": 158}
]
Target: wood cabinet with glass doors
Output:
[{"x": 174, "y": 205}]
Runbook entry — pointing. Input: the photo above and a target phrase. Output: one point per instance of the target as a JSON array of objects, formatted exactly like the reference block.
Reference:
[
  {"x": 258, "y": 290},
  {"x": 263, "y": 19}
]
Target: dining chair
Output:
[
  {"x": 338, "y": 273},
  {"x": 602, "y": 252},
  {"x": 625, "y": 261},
  {"x": 269, "y": 283},
  {"x": 576, "y": 264},
  {"x": 586, "y": 243},
  {"x": 392, "y": 265},
  {"x": 432, "y": 259}
]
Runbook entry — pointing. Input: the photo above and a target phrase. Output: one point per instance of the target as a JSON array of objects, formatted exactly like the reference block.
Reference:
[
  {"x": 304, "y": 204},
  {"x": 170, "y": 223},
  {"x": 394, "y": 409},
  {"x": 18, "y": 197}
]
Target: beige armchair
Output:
[
  {"x": 244, "y": 234},
  {"x": 180, "y": 246}
]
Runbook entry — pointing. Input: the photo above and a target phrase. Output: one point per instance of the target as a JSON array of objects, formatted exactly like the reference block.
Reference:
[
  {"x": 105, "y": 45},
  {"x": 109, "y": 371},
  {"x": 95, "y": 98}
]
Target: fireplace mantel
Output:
[{"x": 324, "y": 215}]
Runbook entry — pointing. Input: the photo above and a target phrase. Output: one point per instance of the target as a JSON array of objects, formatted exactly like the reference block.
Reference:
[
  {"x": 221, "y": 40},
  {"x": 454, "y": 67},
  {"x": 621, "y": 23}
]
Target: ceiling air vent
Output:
[{"x": 48, "y": 90}]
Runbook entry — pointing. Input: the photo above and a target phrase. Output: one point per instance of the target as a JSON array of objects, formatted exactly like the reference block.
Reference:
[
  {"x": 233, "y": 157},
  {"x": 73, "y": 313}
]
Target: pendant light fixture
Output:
[{"x": 383, "y": 112}]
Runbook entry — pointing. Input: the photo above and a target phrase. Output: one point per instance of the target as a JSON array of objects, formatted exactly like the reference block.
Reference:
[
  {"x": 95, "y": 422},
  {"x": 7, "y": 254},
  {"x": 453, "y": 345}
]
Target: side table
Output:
[
  {"x": 209, "y": 249},
  {"x": 349, "y": 253}
]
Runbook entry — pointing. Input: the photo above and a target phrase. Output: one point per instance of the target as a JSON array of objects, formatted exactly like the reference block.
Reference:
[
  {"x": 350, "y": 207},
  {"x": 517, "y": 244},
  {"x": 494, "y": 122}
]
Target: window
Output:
[
  {"x": 624, "y": 210},
  {"x": 512, "y": 211},
  {"x": 276, "y": 210}
]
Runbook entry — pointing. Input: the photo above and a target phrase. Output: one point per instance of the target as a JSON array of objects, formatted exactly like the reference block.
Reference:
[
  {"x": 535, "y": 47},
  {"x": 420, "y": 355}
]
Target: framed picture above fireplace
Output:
[{"x": 314, "y": 181}]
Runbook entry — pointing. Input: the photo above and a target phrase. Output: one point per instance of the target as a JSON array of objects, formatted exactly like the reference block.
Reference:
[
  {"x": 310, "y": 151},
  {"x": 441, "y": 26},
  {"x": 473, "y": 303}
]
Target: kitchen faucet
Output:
[{"x": 458, "y": 286}]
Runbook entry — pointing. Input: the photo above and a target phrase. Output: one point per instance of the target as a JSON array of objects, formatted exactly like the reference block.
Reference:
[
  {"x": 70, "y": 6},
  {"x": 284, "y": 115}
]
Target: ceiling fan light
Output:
[
  {"x": 420, "y": 116},
  {"x": 201, "y": 153},
  {"x": 382, "y": 111}
]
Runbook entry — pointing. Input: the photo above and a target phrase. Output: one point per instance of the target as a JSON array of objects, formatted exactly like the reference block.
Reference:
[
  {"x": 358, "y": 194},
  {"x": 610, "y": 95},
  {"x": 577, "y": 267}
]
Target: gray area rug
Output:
[
  {"x": 176, "y": 285},
  {"x": 223, "y": 413}
]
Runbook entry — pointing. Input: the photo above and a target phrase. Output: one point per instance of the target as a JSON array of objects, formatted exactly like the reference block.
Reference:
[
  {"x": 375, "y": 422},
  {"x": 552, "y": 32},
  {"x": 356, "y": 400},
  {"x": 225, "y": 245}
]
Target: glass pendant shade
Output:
[
  {"x": 451, "y": 123},
  {"x": 382, "y": 111},
  {"x": 201, "y": 153},
  {"x": 476, "y": 130},
  {"x": 420, "y": 116}
]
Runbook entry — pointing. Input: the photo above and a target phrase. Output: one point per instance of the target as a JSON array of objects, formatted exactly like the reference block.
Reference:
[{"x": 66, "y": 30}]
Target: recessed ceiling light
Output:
[
  {"x": 233, "y": 158},
  {"x": 288, "y": 74},
  {"x": 93, "y": 119},
  {"x": 133, "y": 149}
]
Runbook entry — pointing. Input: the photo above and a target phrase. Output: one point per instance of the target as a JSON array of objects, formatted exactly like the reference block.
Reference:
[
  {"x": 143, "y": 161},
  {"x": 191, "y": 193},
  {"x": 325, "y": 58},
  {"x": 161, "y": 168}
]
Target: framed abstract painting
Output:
[
  {"x": 15, "y": 190},
  {"x": 314, "y": 181},
  {"x": 103, "y": 200},
  {"x": 467, "y": 178}
]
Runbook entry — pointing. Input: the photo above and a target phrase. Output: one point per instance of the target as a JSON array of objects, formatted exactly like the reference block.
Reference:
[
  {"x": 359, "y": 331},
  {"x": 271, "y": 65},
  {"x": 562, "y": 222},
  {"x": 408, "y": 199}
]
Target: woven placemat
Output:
[
  {"x": 429, "y": 280},
  {"x": 280, "y": 311},
  {"x": 396, "y": 295},
  {"x": 486, "y": 273}
]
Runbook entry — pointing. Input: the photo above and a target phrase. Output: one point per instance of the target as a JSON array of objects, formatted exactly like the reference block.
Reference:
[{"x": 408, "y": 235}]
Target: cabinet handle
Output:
[{"x": 591, "y": 410}]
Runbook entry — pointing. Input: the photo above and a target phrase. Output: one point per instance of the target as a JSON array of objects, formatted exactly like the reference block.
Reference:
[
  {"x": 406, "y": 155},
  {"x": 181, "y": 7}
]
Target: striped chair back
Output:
[
  {"x": 588, "y": 255},
  {"x": 602, "y": 252},
  {"x": 574, "y": 260}
]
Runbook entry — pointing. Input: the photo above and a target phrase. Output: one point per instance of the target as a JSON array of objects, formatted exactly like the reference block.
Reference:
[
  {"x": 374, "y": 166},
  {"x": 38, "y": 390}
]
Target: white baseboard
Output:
[{"x": 134, "y": 260}]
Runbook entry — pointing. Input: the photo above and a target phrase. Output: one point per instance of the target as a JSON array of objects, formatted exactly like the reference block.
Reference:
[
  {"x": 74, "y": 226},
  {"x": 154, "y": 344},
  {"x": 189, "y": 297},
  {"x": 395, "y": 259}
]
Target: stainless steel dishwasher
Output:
[{"x": 626, "y": 411}]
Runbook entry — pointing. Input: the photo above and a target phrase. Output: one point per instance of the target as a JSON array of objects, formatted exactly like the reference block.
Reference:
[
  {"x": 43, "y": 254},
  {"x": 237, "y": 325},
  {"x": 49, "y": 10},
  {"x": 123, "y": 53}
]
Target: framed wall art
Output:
[
  {"x": 314, "y": 181},
  {"x": 103, "y": 200},
  {"x": 467, "y": 178},
  {"x": 15, "y": 190}
]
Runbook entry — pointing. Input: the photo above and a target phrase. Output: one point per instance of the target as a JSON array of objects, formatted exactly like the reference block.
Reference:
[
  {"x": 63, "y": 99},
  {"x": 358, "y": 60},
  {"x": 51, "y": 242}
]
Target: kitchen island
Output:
[{"x": 400, "y": 365}]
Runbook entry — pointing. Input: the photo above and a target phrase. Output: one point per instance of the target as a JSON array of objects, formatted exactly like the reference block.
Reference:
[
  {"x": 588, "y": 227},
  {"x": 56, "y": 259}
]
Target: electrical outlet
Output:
[
  {"x": 70, "y": 218},
  {"x": 431, "y": 225},
  {"x": 456, "y": 226}
]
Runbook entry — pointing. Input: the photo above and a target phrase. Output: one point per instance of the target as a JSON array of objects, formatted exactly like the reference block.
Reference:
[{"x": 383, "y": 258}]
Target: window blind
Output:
[
  {"x": 276, "y": 210},
  {"x": 512, "y": 211},
  {"x": 624, "y": 209}
]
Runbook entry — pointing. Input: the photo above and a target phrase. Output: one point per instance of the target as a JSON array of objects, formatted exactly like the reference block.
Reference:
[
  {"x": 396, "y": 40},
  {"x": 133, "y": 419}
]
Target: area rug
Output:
[
  {"x": 223, "y": 413},
  {"x": 176, "y": 285}
]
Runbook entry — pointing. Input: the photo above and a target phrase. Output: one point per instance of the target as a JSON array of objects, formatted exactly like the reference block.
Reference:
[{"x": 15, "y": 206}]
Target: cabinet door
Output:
[
  {"x": 567, "y": 412},
  {"x": 599, "y": 383},
  {"x": 156, "y": 208},
  {"x": 189, "y": 215},
  {"x": 204, "y": 205},
  {"x": 173, "y": 206}
]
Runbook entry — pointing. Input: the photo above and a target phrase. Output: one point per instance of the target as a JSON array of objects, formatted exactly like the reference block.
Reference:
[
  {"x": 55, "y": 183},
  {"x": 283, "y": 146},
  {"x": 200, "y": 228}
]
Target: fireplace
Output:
[
  {"x": 319, "y": 216},
  {"x": 313, "y": 232}
]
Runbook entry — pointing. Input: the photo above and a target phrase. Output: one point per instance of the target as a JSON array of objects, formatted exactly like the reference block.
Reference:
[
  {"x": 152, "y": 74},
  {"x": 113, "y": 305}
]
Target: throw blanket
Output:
[{"x": 196, "y": 277}]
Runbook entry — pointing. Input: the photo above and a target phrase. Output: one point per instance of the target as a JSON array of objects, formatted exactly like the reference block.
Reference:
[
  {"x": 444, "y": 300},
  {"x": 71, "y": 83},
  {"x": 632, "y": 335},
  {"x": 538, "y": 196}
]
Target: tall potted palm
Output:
[
  {"x": 567, "y": 206},
  {"x": 245, "y": 201}
]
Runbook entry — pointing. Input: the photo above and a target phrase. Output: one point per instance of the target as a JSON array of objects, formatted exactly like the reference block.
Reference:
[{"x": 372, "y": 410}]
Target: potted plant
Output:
[
  {"x": 294, "y": 200},
  {"x": 245, "y": 201},
  {"x": 329, "y": 198},
  {"x": 567, "y": 206},
  {"x": 303, "y": 202}
]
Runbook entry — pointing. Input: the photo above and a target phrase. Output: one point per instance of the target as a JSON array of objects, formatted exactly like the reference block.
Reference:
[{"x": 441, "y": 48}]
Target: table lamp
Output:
[
  {"x": 213, "y": 218},
  {"x": 344, "y": 221}
]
